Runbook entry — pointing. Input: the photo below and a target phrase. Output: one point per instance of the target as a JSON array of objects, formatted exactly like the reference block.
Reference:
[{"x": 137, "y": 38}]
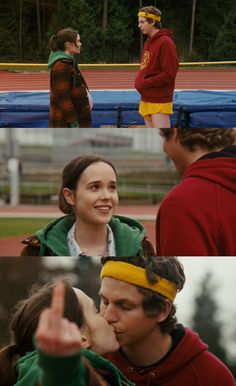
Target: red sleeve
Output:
[
  {"x": 183, "y": 230},
  {"x": 210, "y": 371}
]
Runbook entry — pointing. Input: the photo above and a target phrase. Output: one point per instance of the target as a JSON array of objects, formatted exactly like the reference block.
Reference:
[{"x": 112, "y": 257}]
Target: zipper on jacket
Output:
[{"x": 151, "y": 377}]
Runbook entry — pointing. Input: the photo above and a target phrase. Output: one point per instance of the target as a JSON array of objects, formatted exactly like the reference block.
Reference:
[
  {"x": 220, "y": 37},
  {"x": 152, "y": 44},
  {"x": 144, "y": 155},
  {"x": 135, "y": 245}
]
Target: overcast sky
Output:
[{"x": 223, "y": 271}]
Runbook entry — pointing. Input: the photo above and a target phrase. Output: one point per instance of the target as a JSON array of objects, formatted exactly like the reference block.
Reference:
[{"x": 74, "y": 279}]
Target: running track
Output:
[
  {"x": 11, "y": 246},
  {"x": 200, "y": 78}
]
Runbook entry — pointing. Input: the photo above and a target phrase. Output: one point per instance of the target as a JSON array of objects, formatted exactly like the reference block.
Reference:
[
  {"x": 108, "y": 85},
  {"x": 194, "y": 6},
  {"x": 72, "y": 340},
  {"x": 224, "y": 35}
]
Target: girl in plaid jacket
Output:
[{"x": 70, "y": 100}]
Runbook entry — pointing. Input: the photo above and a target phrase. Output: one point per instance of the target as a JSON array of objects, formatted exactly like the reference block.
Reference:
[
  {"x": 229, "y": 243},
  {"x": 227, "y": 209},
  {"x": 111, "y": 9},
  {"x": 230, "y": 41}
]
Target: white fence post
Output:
[{"x": 13, "y": 169}]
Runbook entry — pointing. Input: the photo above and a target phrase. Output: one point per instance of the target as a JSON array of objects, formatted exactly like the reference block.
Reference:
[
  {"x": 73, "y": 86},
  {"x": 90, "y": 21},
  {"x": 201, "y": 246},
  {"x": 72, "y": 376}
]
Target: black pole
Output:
[
  {"x": 141, "y": 35},
  {"x": 192, "y": 27}
]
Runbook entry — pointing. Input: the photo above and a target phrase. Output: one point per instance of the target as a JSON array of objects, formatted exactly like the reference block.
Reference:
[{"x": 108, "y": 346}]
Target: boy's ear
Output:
[
  {"x": 69, "y": 196},
  {"x": 175, "y": 134},
  {"x": 165, "y": 313}
]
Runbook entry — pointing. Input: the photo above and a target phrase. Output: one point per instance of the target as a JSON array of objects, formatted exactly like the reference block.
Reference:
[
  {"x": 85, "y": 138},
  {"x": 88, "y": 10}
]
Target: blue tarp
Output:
[{"x": 198, "y": 108}]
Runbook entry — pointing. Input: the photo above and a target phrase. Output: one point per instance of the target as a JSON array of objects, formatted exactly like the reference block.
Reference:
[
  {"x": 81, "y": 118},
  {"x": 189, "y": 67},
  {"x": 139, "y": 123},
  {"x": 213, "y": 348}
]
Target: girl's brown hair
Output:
[
  {"x": 24, "y": 323},
  {"x": 58, "y": 41}
]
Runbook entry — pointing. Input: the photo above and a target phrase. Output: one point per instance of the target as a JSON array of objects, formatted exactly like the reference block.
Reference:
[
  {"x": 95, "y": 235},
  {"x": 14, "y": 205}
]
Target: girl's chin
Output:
[
  {"x": 112, "y": 349},
  {"x": 101, "y": 221},
  {"x": 105, "y": 216},
  {"x": 105, "y": 221}
]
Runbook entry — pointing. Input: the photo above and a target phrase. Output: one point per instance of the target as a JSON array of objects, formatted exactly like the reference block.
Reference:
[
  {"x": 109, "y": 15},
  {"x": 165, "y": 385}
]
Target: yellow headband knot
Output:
[
  {"x": 132, "y": 274},
  {"x": 150, "y": 15}
]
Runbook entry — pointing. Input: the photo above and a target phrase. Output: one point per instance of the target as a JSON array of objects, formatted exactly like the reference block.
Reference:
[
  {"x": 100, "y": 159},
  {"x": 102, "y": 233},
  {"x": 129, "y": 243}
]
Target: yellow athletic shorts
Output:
[{"x": 147, "y": 108}]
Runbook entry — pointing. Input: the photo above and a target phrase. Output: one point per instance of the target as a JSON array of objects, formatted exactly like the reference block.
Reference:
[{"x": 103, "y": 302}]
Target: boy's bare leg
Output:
[
  {"x": 148, "y": 121},
  {"x": 160, "y": 120}
]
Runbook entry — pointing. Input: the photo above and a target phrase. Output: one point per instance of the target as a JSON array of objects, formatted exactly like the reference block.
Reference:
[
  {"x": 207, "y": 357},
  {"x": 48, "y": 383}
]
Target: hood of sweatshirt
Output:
[
  {"x": 162, "y": 32},
  {"x": 158, "y": 38},
  {"x": 188, "y": 349},
  {"x": 180, "y": 359},
  {"x": 54, "y": 236},
  {"x": 128, "y": 234},
  {"x": 29, "y": 371},
  {"x": 217, "y": 167},
  {"x": 59, "y": 55},
  {"x": 100, "y": 363}
]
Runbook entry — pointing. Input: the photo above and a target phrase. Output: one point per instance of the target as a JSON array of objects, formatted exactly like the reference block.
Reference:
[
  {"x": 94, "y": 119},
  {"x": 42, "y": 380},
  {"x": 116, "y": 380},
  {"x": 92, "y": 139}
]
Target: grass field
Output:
[
  {"x": 27, "y": 226},
  {"x": 21, "y": 226}
]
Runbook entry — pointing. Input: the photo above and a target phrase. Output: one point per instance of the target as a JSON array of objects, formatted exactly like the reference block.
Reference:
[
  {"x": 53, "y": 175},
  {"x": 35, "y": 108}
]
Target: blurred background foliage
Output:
[{"x": 109, "y": 31}]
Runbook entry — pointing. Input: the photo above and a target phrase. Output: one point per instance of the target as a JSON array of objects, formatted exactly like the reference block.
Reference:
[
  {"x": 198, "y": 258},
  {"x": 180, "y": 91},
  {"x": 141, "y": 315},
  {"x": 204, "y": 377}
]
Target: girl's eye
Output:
[
  {"x": 104, "y": 302},
  {"x": 94, "y": 187}
]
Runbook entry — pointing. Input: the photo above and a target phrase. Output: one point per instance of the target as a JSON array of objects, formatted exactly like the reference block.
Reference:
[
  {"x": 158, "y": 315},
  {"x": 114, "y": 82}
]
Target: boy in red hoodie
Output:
[
  {"x": 198, "y": 216},
  {"x": 137, "y": 297},
  {"x": 155, "y": 80}
]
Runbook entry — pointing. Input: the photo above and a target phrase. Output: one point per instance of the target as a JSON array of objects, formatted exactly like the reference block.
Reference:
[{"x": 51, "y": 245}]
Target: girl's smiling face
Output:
[{"x": 95, "y": 197}]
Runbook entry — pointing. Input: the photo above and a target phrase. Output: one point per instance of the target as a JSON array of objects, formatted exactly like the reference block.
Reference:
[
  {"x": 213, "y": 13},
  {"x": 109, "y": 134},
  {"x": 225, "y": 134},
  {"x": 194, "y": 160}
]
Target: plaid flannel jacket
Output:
[{"x": 68, "y": 96}]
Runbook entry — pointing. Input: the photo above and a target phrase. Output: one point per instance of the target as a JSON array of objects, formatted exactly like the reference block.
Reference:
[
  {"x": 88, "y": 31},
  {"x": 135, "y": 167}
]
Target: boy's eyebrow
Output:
[{"x": 118, "y": 301}]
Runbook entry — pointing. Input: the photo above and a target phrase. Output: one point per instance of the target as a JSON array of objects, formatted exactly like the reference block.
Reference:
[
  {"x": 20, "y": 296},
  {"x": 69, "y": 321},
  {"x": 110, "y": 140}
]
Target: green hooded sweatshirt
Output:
[
  {"x": 61, "y": 55},
  {"x": 38, "y": 369},
  {"x": 128, "y": 235},
  {"x": 58, "y": 55}
]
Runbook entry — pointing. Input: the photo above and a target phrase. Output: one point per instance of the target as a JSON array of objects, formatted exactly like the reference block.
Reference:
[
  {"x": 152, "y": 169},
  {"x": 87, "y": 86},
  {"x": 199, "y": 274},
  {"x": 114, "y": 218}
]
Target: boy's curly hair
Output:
[{"x": 207, "y": 138}]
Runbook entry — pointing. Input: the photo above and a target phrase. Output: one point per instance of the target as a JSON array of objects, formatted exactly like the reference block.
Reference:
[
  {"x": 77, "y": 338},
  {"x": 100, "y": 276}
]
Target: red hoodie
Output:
[
  {"x": 155, "y": 80},
  {"x": 190, "y": 364},
  {"x": 198, "y": 216}
]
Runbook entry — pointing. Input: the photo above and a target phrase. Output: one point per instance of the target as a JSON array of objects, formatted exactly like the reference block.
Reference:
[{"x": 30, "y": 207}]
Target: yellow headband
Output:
[
  {"x": 132, "y": 274},
  {"x": 150, "y": 15}
]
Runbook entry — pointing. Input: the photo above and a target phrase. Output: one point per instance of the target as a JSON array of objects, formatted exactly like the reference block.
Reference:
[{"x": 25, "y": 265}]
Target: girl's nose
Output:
[{"x": 105, "y": 194}]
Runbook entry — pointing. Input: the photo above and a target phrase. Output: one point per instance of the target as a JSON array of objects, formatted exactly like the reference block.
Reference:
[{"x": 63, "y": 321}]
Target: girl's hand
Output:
[{"x": 55, "y": 334}]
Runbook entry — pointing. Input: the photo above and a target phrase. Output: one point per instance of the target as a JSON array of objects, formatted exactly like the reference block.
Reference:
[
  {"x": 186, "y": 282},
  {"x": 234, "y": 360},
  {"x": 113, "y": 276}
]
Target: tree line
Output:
[{"x": 109, "y": 31}]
